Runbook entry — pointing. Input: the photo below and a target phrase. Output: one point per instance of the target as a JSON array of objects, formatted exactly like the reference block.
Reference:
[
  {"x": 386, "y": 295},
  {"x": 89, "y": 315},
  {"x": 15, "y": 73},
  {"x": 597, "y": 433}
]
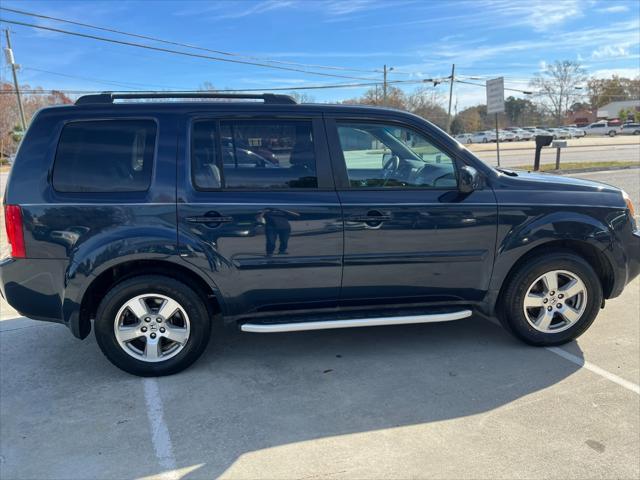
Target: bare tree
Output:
[
  {"x": 557, "y": 87},
  {"x": 428, "y": 103},
  {"x": 301, "y": 97}
]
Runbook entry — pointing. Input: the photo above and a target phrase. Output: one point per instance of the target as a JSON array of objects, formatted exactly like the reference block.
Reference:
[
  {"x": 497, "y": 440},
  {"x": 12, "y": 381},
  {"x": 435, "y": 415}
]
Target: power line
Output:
[
  {"x": 179, "y": 44},
  {"x": 95, "y": 80},
  {"x": 178, "y": 52}
]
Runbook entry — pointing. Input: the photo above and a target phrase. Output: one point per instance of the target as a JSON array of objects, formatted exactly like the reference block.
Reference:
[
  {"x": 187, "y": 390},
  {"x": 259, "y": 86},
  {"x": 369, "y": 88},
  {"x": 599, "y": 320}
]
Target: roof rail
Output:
[{"x": 109, "y": 97}]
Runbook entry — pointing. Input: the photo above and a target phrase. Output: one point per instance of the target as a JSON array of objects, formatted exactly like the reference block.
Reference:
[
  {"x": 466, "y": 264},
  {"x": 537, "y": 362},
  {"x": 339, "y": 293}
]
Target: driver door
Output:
[{"x": 410, "y": 237}]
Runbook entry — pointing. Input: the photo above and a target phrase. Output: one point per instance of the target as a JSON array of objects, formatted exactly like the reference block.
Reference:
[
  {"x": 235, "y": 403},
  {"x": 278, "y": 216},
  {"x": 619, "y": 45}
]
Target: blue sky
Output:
[{"x": 419, "y": 38}]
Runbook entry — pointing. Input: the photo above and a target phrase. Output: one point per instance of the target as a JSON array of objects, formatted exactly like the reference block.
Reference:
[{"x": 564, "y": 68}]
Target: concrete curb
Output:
[{"x": 591, "y": 169}]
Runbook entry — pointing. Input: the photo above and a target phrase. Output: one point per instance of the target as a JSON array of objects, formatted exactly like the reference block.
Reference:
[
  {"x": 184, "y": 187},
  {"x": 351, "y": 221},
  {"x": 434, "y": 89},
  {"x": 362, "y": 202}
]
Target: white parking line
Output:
[
  {"x": 635, "y": 388},
  {"x": 159, "y": 431},
  {"x": 581, "y": 362}
]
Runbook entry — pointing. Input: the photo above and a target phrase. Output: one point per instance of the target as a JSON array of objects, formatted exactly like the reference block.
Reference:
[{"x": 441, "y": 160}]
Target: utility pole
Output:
[
  {"x": 384, "y": 84},
  {"x": 10, "y": 61},
  {"x": 384, "y": 87},
  {"x": 453, "y": 77}
]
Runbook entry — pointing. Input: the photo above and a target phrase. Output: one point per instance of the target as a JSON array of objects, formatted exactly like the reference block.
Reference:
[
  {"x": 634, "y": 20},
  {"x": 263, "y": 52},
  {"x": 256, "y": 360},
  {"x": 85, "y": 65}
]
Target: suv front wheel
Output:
[
  {"x": 152, "y": 325},
  {"x": 551, "y": 299}
]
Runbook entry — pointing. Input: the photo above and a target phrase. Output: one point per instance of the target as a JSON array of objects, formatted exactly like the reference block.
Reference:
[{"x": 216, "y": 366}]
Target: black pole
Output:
[{"x": 497, "y": 140}]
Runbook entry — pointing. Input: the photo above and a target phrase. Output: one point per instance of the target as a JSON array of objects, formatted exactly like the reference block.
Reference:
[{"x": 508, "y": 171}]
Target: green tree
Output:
[
  {"x": 457, "y": 125},
  {"x": 623, "y": 114},
  {"x": 517, "y": 110}
]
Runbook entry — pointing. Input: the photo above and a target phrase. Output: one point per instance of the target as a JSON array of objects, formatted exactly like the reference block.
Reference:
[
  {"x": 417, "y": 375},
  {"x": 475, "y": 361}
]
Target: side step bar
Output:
[{"x": 355, "y": 322}]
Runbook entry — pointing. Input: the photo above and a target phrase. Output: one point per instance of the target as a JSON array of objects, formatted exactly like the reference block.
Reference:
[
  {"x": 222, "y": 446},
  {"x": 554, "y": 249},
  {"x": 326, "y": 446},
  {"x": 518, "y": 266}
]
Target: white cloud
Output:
[
  {"x": 540, "y": 15},
  {"x": 614, "y": 9},
  {"x": 620, "y": 72},
  {"x": 608, "y": 51}
]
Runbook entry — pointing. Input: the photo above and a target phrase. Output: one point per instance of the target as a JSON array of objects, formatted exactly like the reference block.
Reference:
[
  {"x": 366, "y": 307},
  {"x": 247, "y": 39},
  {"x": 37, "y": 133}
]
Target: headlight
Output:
[
  {"x": 629, "y": 203},
  {"x": 632, "y": 210}
]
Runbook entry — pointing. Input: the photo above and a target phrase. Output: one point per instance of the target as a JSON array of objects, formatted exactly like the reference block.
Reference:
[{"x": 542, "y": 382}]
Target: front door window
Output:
[{"x": 389, "y": 156}]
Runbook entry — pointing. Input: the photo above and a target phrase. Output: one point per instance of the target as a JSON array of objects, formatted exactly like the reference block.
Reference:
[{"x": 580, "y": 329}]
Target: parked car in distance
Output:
[
  {"x": 483, "y": 137},
  {"x": 506, "y": 136},
  {"x": 630, "y": 129},
  {"x": 536, "y": 131},
  {"x": 520, "y": 133},
  {"x": 576, "y": 132},
  {"x": 464, "y": 138},
  {"x": 559, "y": 133},
  {"x": 603, "y": 128},
  {"x": 151, "y": 223}
]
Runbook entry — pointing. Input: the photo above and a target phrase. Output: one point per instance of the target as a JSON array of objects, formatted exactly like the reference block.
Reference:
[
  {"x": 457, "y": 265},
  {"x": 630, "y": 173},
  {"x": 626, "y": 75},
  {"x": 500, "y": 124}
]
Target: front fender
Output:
[{"x": 520, "y": 230}]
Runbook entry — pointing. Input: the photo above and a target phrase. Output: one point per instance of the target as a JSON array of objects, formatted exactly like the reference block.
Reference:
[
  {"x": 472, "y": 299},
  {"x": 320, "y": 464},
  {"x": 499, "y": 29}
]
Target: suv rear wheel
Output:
[
  {"x": 152, "y": 325},
  {"x": 551, "y": 299}
]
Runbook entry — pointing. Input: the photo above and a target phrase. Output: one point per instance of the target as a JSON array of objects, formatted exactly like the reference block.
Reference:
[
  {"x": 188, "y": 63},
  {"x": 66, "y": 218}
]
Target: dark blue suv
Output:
[{"x": 158, "y": 220}]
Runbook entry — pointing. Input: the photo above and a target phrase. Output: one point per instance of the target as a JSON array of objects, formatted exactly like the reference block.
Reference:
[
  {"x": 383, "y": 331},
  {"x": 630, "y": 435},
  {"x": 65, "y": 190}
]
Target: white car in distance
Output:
[
  {"x": 464, "y": 138},
  {"x": 602, "y": 128}
]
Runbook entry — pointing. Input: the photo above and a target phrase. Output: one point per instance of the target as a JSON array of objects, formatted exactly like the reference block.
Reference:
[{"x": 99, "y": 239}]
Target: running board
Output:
[{"x": 356, "y": 322}]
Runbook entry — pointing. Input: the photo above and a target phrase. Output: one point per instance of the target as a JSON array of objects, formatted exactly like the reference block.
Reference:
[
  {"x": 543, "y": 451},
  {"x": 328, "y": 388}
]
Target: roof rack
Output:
[{"x": 110, "y": 97}]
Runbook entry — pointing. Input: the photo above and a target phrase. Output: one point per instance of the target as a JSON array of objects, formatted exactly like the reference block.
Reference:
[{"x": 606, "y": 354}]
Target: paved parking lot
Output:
[{"x": 453, "y": 400}]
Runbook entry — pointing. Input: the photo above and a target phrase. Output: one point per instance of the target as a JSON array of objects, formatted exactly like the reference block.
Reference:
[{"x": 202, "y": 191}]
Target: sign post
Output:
[{"x": 495, "y": 104}]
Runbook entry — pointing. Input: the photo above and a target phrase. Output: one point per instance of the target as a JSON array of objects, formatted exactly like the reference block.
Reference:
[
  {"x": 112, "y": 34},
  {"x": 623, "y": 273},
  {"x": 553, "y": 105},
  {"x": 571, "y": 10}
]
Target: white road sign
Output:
[{"x": 495, "y": 95}]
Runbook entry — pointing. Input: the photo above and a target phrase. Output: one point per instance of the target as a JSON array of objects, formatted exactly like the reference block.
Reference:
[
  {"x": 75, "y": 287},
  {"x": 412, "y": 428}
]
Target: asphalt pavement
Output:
[{"x": 451, "y": 400}]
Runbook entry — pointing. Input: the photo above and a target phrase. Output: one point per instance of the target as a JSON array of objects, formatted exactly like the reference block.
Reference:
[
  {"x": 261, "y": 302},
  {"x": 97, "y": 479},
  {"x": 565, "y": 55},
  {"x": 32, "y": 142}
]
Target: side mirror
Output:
[
  {"x": 468, "y": 179},
  {"x": 386, "y": 157}
]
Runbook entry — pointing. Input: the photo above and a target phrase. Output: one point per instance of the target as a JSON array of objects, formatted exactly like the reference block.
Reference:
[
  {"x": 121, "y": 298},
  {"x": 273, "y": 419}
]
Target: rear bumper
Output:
[{"x": 33, "y": 287}]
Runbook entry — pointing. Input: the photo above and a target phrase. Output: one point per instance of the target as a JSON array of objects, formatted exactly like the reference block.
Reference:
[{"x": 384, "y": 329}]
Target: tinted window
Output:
[
  {"x": 105, "y": 156},
  {"x": 205, "y": 171},
  {"x": 256, "y": 154},
  {"x": 378, "y": 155}
]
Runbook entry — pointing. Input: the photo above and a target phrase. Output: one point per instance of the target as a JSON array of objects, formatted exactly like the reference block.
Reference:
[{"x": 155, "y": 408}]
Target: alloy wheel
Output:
[
  {"x": 152, "y": 327},
  {"x": 555, "y": 301}
]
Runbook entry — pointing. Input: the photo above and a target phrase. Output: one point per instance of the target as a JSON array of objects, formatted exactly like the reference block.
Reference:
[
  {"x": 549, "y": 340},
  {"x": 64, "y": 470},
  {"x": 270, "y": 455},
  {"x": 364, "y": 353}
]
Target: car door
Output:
[
  {"x": 258, "y": 212},
  {"x": 410, "y": 237}
]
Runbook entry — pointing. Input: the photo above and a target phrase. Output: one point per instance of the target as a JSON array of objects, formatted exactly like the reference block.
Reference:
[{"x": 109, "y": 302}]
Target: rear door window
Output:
[
  {"x": 253, "y": 154},
  {"x": 105, "y": 156}
]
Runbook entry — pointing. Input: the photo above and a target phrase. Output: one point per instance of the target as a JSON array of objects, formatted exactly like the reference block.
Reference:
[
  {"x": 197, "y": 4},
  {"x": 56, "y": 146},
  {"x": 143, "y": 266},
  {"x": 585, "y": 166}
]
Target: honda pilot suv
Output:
[{"x": 155, "y": 221}]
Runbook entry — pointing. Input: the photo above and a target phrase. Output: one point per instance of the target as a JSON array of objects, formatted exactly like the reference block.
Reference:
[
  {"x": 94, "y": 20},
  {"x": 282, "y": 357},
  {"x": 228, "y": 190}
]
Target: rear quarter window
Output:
[{"x": 105, "y": 156}]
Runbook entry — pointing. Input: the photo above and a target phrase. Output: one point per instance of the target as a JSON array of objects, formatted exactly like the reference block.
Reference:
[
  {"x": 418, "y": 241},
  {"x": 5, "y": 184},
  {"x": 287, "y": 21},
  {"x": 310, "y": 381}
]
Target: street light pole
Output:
[{"x": 11, "y": 61}]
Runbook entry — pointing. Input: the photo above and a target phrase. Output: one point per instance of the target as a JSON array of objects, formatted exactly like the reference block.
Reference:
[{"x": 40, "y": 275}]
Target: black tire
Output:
[
  {"x": 189, "y": 300},
  {"x": 510, "y": 308},
  {"x": 612, "y": 133}
]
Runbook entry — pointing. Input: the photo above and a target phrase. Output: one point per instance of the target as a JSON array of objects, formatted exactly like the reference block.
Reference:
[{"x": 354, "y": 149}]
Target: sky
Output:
[{"x": 419, "y": 38}]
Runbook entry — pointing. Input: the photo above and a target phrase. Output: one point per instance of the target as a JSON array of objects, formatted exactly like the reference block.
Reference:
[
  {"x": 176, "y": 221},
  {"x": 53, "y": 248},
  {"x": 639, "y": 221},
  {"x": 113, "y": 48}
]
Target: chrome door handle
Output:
[
  {"x": 209, "y": 219},
  {"x": 369, "y": 218}
]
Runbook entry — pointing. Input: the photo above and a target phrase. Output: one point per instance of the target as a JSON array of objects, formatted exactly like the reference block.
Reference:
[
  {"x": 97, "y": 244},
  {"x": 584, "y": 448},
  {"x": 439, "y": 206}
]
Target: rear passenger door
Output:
[{"x": 258, "y": 212}]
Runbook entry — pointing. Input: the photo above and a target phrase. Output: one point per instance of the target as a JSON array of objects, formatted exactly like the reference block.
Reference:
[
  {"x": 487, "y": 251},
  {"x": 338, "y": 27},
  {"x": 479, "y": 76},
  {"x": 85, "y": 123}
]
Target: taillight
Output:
[{"x": 15, "y": 234}]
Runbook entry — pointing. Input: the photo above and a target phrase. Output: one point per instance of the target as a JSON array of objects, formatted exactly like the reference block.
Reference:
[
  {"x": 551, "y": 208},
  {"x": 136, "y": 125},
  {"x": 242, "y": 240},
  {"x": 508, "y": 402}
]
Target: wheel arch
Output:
[
  {"x": 594, "y": 257},
  {"x": 80, "y": 324}
]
